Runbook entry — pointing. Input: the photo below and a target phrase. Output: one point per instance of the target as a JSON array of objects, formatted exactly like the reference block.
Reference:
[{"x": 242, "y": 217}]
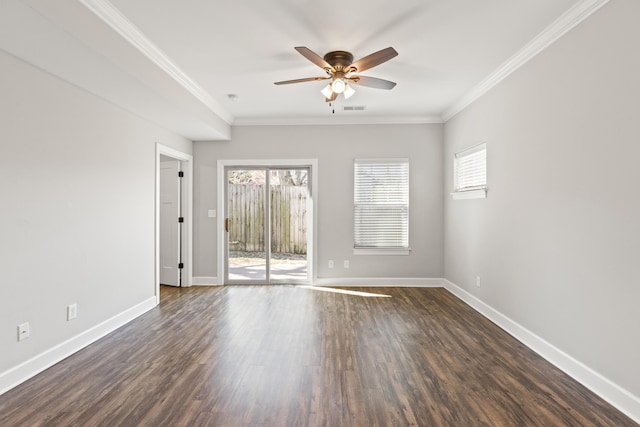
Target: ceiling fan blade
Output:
[
  {"x": 372, "y": 82},
  {"x": 374, "y": 59},
  {"x": 308, "y": 79},
  {"x": 333, "y": 97},
  {"x": 315, "y": 58}
]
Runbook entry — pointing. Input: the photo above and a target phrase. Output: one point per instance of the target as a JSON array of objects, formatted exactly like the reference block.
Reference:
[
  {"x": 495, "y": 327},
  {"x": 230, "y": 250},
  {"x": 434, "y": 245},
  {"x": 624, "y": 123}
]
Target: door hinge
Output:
[
  {"x": 181, "y": 265},
  {"x": 180, "y": 174},
  {"x": 180, "y": 219}
]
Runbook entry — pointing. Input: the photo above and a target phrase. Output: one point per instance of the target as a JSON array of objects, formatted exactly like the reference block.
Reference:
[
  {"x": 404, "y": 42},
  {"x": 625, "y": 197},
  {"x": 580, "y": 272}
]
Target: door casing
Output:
[
  {"x": 222, "y": 166},
  {"x": 187, "y": 213}
]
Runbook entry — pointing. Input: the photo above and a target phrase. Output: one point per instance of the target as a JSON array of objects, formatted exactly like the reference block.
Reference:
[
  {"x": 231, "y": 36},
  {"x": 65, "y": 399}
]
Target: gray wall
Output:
[
  {"x": 77, "y": 177},
  {"x": 335, "y": 147},
  {"x": 557, "y": 241}
]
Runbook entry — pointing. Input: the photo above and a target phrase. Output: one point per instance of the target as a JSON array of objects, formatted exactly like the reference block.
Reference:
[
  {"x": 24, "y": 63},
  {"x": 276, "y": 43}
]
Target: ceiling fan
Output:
[{"x": 342, "y": 71}]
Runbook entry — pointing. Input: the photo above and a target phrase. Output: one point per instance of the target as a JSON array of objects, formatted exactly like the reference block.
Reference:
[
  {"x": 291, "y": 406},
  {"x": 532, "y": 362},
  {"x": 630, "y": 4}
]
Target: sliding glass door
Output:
[{"x": 266, "y": 225}]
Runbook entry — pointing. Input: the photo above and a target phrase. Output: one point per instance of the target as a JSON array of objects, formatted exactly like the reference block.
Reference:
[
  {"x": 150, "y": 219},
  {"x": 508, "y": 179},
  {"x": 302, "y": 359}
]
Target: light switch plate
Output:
[{"x": 72, "y": 311}]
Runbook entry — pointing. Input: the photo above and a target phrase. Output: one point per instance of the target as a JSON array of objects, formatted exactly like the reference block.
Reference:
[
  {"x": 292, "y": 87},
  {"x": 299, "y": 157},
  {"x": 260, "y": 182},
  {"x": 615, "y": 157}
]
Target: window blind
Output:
[
  {"x": 381, "y": 203},
  {"x": 470, "y": 168}
]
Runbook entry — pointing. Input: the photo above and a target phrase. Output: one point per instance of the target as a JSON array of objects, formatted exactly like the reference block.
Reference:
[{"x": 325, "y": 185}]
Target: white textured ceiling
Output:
[{"x": 446, "y": 49}]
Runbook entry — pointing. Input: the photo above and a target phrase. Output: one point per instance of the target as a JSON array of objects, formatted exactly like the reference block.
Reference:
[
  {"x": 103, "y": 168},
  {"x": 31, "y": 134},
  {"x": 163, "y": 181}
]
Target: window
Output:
[
  {"x": 381, "y": 206},
  {"x": 470, "y": 173}
]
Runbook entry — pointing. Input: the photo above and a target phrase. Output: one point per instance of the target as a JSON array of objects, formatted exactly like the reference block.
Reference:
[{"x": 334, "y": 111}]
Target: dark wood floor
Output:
[{"x": 289, "y": 356}]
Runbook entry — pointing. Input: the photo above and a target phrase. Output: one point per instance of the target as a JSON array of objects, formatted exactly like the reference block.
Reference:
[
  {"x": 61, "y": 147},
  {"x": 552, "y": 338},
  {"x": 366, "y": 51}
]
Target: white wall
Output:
[
  {"x": 77, "y": 179},
  {"x": 335, "y": 147},
  {"x": 557, "y": 241}
]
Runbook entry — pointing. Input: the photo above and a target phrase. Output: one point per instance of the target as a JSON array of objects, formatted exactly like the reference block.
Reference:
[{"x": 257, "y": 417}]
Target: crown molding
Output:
[
  {"x": 567, "y": 21},
  {"x": 125, "y": 28},
  {"x": 108, "y": 13},
  {"x": 336, "y": 120}
]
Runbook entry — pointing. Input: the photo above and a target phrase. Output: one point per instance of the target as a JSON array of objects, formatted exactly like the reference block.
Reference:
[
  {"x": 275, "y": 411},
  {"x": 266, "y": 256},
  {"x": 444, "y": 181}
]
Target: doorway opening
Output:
[
  {"x": 174, "y": 225},
  {"x": 268, "y": 222}
]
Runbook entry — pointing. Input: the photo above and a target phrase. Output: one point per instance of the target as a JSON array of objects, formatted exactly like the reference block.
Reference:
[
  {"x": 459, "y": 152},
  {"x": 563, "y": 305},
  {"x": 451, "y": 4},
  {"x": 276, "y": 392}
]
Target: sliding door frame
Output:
[{"x": 222, "y": 166}]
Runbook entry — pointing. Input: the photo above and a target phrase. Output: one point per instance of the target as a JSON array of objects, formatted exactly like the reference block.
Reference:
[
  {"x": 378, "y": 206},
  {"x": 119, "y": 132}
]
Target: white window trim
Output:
[
  {"x": 479, "y": 192},
  {"x": 470, "y": 194},
  {"x": 382, "y": 252}
]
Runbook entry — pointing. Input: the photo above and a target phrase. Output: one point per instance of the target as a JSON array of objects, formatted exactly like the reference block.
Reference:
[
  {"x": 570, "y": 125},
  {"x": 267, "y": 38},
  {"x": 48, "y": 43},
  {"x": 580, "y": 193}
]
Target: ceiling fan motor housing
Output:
[{"x": 339, "y": 59}]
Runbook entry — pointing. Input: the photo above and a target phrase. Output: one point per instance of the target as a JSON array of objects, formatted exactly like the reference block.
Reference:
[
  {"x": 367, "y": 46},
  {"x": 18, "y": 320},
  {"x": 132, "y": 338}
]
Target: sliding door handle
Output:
[{"x": 226, "y": 225}]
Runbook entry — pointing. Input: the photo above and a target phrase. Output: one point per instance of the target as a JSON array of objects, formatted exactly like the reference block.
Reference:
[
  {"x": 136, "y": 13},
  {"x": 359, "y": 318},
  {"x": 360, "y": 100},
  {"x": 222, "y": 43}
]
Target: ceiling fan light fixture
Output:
[
  {"x": 327, "y": 92},
  {"x": 338, "y": 86},
  {"x": 339, "y": 67},
  {"x": 348, "y": 91}
]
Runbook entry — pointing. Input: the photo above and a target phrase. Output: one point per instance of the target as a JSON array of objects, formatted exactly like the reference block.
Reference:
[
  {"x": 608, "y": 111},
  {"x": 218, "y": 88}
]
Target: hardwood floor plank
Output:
[{"x": 292, "y": 356}]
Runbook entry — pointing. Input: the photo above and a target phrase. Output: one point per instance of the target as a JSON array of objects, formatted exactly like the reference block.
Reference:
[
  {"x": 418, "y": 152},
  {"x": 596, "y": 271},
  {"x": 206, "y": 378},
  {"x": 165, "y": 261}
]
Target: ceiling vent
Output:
[{"x": 354, "y": 108}]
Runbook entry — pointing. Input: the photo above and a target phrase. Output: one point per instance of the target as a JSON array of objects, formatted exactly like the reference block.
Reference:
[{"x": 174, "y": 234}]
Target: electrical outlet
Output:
[
  {"x": 23, "y": 331},
  {"x": 72, "y": 311},
  {"x": 346, "y": 263},
  {"x": 478, "y": 281},
  {"x": 330, "y": 263}
]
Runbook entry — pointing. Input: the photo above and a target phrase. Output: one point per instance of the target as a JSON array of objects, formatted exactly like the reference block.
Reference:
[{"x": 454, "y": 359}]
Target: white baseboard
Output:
[
  {"x": 404, "y": 282},
  {"x": 204, "y": 281},
  {"x": 351, "y": 281},
  {"x": 19, "y": 374},
  {"x": 617, "y": 396}
]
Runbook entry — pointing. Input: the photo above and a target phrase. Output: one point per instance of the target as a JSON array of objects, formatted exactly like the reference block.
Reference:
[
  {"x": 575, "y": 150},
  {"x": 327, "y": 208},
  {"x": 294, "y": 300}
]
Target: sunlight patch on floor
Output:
[{"x": 344, "y": 291}]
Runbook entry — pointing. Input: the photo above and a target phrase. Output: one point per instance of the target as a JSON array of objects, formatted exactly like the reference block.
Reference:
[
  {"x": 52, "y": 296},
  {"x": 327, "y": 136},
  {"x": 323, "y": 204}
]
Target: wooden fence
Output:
[{"x": 288, "y": 218}]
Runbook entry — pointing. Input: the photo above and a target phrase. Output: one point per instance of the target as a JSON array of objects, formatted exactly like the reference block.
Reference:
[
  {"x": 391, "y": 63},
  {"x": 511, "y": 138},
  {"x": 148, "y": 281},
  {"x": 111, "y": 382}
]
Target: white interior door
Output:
[{"x": 169, "y": 225}]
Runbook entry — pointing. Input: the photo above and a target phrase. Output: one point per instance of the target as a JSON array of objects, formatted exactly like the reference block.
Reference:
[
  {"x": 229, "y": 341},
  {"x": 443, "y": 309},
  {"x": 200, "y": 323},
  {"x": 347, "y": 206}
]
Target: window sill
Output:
[
  {"x": 361, "y": 251},
  {"x": 471, "y": 194}
]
